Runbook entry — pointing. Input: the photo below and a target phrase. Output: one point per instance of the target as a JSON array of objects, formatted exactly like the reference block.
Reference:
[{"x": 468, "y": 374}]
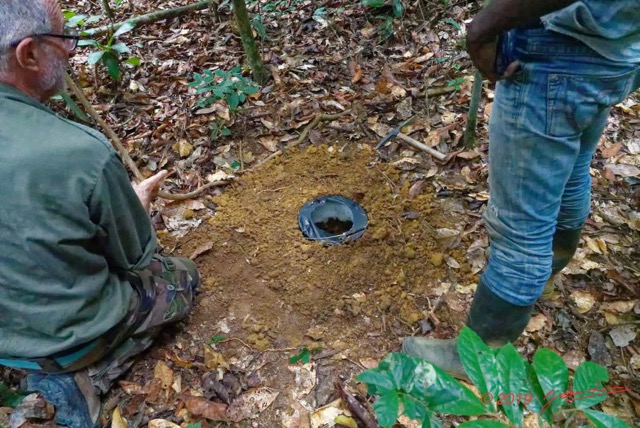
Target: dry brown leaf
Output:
[
  {"x": 130, "y": 388},
  {"x": 356, "y": 71},
  {"x": 468, "y": 155},
  {"x": 593, "y": 245},
  {"x": 269, "y": 143},
  {"x": 584, "y": 300},
  {"x": 183, "y": 148},
  {"x": 537, "y": 323},
  {"x": 621, "y": 307},
  {"x": 213, "y": 359},
  {"x": 609, "y": 152},
  {"x": 117, "y": 421},
  {"x": 251, "y": 403},
  {"x": 162, "y": 423},
  {"x": 199, "y": 406},
  {"x": 164, "y": 374},
  {"x": 417, "y": 188},
  {"x": 201, "y": 250},
  {"x": 623, "y": 170}
]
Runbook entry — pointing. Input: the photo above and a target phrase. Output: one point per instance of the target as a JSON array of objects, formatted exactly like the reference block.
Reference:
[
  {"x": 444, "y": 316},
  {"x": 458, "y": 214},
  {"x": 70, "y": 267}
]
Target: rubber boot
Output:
[
  {"x": 565, "y": 244},
  {"x": 495, "y": 320}
]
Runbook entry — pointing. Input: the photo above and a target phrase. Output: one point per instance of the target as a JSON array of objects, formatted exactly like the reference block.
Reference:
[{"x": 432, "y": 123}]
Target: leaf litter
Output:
[{"x": 264, "y": 286}]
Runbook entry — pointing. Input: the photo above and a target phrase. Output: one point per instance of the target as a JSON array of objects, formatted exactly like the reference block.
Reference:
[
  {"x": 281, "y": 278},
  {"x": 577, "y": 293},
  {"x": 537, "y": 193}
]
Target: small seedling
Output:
[
  {"x": 304, "y": 355},
  {"x": 456, "y": 83},
  {"x": 230, "y": 86},
  {"x": 215, "y": 339}
]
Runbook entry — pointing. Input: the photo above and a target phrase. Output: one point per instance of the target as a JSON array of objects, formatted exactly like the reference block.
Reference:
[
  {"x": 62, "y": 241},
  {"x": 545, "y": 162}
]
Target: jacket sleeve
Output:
[{"x": 124, "y": 231}]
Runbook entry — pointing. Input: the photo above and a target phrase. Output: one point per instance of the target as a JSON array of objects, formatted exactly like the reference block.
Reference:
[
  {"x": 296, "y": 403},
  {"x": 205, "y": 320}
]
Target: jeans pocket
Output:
[{"x": 574, "y": 101}]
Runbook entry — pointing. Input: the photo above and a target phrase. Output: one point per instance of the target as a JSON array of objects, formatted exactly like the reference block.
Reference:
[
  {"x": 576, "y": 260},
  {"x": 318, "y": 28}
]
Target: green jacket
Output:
[{"x": 70, "y": 227}]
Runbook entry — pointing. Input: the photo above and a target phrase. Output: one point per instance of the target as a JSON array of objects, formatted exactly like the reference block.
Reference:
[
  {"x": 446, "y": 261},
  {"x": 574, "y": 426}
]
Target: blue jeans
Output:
[{"x": 545, "y": 124}]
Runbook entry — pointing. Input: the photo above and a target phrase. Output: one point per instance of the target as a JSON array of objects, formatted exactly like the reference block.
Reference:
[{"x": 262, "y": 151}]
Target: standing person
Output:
[
  {"x": 561, "y": 64},
  {"x": 82, "y": 289}
]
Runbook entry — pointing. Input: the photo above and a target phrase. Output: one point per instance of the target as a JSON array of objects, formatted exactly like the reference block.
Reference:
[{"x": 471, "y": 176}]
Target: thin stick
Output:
[
  {"x": 124, "y": 154},
  {"x": 149, "y": 18}
]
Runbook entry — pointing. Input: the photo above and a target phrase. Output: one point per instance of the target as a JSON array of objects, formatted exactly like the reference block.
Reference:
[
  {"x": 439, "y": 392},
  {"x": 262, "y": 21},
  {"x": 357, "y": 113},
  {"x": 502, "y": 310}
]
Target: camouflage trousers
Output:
[{"x": 164, "y": 294}]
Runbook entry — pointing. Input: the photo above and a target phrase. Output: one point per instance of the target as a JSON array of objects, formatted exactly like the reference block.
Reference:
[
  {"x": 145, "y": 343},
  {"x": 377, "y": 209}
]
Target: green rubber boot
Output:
[
  {"x": 495, "y": 320},
  {"x": 565, "y": 244}
]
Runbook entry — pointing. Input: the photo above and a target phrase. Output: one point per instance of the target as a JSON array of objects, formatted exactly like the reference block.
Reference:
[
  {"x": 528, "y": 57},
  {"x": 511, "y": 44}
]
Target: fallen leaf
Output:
[
  {"x": 417, "y": 188},
  {"x": 162, "y": 423},
  {"x": 466, "y": 289},
  {"x": 584, "y": 300},
  {"x": 537, "y": 323},
  {"x": 356, "y": 71},
  {"x": 598, "y": 350},
  {"x": 269, "y": 143},
  {"x": 622, "y": 335},
  {"x": 164, "y": 374},
  {"x": 251, "y": 403},
  {"x": 593, "y": 245},
  {"x": 487, "y": 111},
  {"x": 130, "y": 388},
  {"x": 451, "y": 262},
  {"x": 213, "y": 359},
  {"x": 573, "y": 359},
  {"x": 621, "y": 307},
  {"x": 117, "y": 421},
  {"x": 609, "y": 152},
  {"x": 183, "y": 148},
  {"x": 345, "y": 421},
  {"x": 199, "y": 406},
  {"x": 468, "y": 155},
  {"x": 623, "y": 170},
  {"x": 201, "y": 250}
]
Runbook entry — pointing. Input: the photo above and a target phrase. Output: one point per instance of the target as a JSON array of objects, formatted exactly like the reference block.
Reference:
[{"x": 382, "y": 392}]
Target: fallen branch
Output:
[
  {"x": 357, "y": 409},
  {"x": 433, "y": 92},
  {"x": 149, "y": 18},
  {"x": 124, "y": 154},
  {"x": 316, "y": 120}
]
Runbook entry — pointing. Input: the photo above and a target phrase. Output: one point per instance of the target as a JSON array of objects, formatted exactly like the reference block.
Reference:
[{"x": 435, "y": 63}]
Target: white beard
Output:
[{"x": 52, "y": 81}]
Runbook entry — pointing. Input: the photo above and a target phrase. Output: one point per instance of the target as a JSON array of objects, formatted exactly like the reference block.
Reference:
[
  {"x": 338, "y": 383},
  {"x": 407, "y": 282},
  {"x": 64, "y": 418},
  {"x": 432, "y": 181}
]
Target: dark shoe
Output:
[
  {"x": 565, "y": 244},
  {"x": 76, "y": 402},
  {"x": 495, "y": 320}
]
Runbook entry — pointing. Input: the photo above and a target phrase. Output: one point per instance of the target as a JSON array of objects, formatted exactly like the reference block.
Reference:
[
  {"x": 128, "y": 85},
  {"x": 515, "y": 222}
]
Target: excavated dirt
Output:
[{"x": 270, "y": 291}]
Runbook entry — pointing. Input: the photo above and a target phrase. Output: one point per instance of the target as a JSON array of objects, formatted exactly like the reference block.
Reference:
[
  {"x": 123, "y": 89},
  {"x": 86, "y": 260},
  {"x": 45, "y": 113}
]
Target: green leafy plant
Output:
[
  {"x": 386, "y": 26},
  {"x": 304, "y": 355},
  {"x": 230, "y": 86},
  {"x": 8, "y": 397},
  {"x": 110, "y": 54},
  {"x": 456, "y": 83},
  {"x": 507, "y": 383},
  {"x": 215, "y": 339}
]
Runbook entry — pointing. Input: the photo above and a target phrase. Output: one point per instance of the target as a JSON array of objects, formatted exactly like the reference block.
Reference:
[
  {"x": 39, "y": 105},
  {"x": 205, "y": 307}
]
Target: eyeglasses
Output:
[{"x": 69, "y": 36}]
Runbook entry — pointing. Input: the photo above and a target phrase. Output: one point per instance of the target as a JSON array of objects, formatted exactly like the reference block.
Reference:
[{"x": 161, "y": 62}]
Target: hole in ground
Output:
[{"x": 334, "y": 225}]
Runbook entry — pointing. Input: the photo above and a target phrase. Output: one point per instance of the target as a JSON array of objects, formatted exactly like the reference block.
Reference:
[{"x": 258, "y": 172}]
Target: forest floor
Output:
[{"x": 268, "y": 294}]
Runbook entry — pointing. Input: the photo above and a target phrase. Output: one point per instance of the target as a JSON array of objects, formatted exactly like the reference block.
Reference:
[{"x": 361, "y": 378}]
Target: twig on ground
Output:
[
  {"x": 316, "y": 120},
  {"x": 358, "y": 410},
  {"x": 124, "y": 154}
]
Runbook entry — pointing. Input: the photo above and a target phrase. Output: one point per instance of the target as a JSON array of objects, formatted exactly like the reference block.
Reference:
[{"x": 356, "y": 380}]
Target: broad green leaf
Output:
[
  {"x": 124, "y": 28},
  {"x": 76, "y": 20},
  {"x": 75, "y": 108},
  {"x": 198, "y": 425},
  {"x": 8, "y": 397},
  {"x": 134, "y": 60},
  {"x": 304, "y": 355},
  {"x": 94, "y": 57},
  {"x": 538, "y": 403},
  {"x": 386, "y": 408},
  {"x": 233, "y": 100},
  {"x": 553, "y": 375},
  {"x": 602, "y": 420},
  {"x": 120, "y": 48},
  {"x": 374, "y": 3},
  {"x": 378, "y": 381},
  {"x": 403, "y": 370},
  {"x": 88, "y": 42},
  {"x": 92, "y": 19},
  {"x": 513, "y": 389},
  {"x": 398, "y": 8},
  {"x": 483, "y": 424},
  {"x": 68, "y": 14},
  {"x": 111, "y": 62},
  {"x": 257, "y": 24},
  {"x": 441, "y": 392},
  {"x": 479, "y": 362},
  {"x": 431, "y": 421},
  {"x": 225, "y": 132},
  {"x": 250, "y": 90},
  {"x": 412, "y": 407},
  {"x": 587, "y": 385}
]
